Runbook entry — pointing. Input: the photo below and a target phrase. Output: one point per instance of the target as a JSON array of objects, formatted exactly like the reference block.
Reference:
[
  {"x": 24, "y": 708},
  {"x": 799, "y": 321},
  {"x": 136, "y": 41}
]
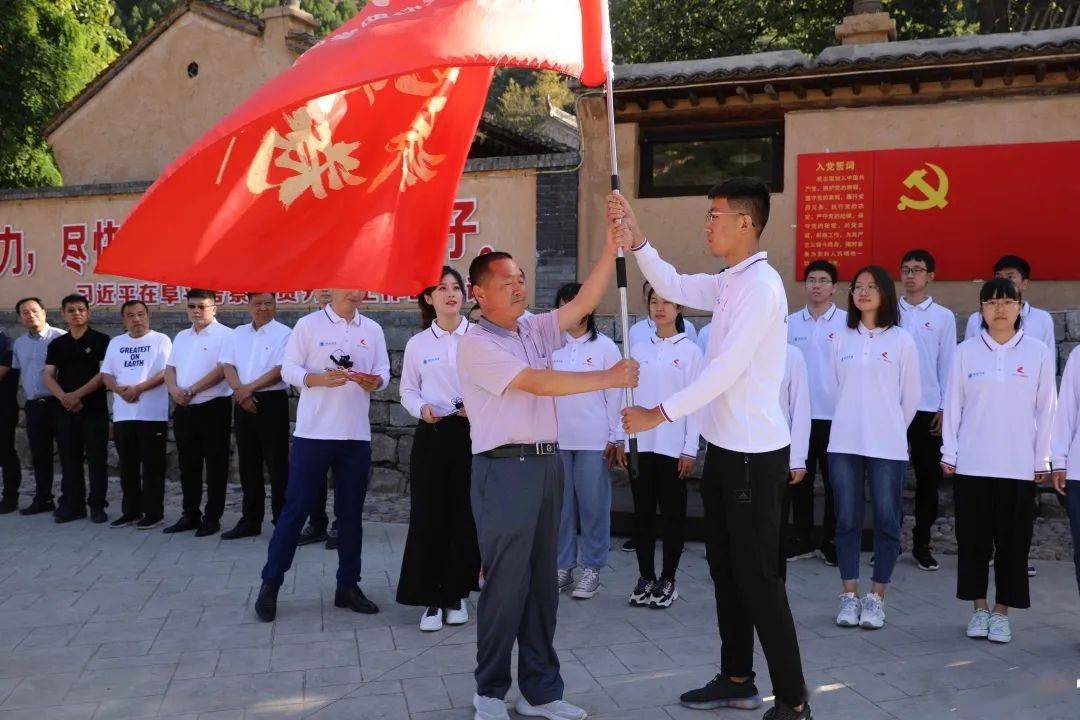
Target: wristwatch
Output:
[{"x": 188, "y": 393}]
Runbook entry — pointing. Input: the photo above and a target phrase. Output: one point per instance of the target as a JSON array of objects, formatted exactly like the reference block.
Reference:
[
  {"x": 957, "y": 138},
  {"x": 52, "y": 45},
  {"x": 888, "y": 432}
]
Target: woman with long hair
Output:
[
  {"x": 999, "y": 409},
  {"x": 441, "y": 561},
  {"x": 877, "y": 390}
]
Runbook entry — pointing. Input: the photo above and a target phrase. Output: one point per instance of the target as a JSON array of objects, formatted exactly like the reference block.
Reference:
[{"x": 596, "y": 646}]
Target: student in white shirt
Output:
[
  {"x": 812, "y": 330},
  {"x": 337, "y": 358},
  {"x": 876, "y": 371},
  {"x": 1065, "y": 449},
  {"x": 999, "y": 412},
  {"x": 645, "y": 328},
  {"x": 202, "y": 419},
  {"x": 441, "y": 561},
  {"x": 933, "y": 328},
  {"x": 795, "y": 404},
  {"x": 590, "y": 442},
  {"x": 669, "y": 362},
  {"x": 746, "y": 463},
  {"x": 134, "y": 371}
]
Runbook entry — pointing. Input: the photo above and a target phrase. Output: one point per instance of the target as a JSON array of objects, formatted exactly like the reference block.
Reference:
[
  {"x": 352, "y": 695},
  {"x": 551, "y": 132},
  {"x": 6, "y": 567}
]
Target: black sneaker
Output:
[
  {"x": 828, "y": 554},
  {"x": 98, "y": 516},
  {"x": 184, "y": 524},
  {"x": 663, "y": 594},
  {"x": 37, "y": 507},
  {"x": 310, "y": 535},
  {"x": 332, "y": 539},
  {"x": 125, "y": 520},
  {"x": 66, "y": 516},
  {"x": 8, "y": 505},
  {"x": 642, "y": 592},
  {"x": 721, "y": 692},
  {"x": 780, "y": 711},
  {"x": 924, "y": 559},
  {"x": 149, "y": 522},
  {"x": 629, "y": 546}
]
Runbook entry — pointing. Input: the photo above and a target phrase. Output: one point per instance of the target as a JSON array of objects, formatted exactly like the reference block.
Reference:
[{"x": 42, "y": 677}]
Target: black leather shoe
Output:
[
  {"x": 66, "y": 516},
  {"x": 353, "y": 598},
  {"x": 8, "y": 505},
  {"x": 266, "y": 603},
  {"x": 311, "y": 535},
  {"x": 37, "y": 507},
  {"x": 208, "y": 527},
  {"x": 242, "y": 530},
  {"x": 98, "y": 516},
  {"x": 182, "y": 525}
]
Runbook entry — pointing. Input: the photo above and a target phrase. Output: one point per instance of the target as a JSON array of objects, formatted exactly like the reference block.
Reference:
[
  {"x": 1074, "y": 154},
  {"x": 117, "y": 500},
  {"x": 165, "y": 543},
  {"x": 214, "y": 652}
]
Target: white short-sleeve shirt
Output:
[{"x": 132, "y": 361}]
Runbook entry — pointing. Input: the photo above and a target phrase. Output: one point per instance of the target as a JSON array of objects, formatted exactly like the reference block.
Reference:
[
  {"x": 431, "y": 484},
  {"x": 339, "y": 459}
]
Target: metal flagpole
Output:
[{"x": 620, "y": 261}]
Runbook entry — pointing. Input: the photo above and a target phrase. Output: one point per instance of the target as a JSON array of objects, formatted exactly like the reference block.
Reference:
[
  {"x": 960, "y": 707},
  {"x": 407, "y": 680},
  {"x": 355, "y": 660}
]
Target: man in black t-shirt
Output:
[
  {"x": 72, "y": 374},
  {"x": 9, "y": 418}
]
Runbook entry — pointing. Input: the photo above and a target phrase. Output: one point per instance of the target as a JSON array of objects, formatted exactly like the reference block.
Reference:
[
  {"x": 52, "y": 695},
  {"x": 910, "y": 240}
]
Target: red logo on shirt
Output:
[
  {"x": 1020, "y": 371},
  {"x": 885, "y": 356},
  {"x": 588, "y": 361},
  {"x": 363, "y": 342},
  {"x": 927, "y": 325},
  {"x": 675, "y": 362},
  {"x": 832, "y": 335}
]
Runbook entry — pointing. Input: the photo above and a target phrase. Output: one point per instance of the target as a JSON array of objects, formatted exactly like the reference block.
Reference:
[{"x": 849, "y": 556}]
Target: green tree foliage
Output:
[
  {"x": 49, "y": 50},
  {"x": 135, "y": 17},
  {"x": 525, "y": 103}
]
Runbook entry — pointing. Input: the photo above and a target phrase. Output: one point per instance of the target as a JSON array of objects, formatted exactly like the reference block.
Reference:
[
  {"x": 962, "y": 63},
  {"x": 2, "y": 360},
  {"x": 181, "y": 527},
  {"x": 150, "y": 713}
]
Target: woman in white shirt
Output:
[
  {"x": 876, "y": 371},
  {"x": 669, "y": 362},
  {"x": 999, "y": 408},
  {"x": 441, "y": 562},
  {"x": 590, "y": 441}
]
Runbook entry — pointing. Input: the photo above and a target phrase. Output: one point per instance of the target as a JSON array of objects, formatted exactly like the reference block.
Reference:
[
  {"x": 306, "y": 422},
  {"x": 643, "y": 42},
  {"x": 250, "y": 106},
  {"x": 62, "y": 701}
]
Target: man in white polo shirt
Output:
[
  {"x": 251, "y": 359},
  {"x": 747, "y": 461},
  {"x": 202, "y": 418},
  {"x": 337, "y": 358}
]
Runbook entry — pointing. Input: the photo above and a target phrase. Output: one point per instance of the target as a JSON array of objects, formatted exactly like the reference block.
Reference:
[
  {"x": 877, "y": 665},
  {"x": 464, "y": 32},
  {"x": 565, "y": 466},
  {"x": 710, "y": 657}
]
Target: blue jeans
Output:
[
  {"x": 1072, "y": 504},
  {"x": 309, "y": 462},
  {"x": 886, "y": 480},
  {"x": 586, "y": 501}
]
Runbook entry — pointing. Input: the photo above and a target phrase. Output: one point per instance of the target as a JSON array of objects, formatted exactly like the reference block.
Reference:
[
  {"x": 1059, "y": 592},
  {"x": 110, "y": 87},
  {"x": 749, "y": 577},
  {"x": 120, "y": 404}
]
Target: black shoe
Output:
[
  {"x": 37, "y": 507},
  {"x": 98, "y": 516},
  {"x": 780, "y": 711},
  {"x": 721, "y": 692},
  {"x": 332, "y": 539},
  {"x": 182, "y": 525},
  {"x": 208, "y": 527},
  {"x": 66, "y": 516},
  {"x": 149, "y": 522},
  {"x": 663, "y": 593},
  {"x": 828, "y": 554},
  {"x": 924, "y": 559},
  {"x": 125, "y": 520},
  {"x": 629, "y": 546},
  {"x": 310, "y": 535},
  {"x": 353, "y": 598},
  {"x": 266, "y": 603},
  {"x": 8, "y": 505},
  {"x": 242, "y": 530},
  {"x": 642, "y": 592}
]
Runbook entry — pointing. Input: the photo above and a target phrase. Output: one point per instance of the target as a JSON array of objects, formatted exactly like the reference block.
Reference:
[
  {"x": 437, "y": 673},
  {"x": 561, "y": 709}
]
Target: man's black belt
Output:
[{"x": 520, "y": 450}]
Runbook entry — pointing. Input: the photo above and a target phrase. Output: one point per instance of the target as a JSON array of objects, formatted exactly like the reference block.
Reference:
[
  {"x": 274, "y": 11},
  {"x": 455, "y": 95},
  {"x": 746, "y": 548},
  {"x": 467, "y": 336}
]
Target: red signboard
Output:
[{"x": 966, "y": 205}]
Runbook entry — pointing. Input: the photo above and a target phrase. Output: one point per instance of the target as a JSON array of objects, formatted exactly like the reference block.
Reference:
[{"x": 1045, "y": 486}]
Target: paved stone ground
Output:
[{"x": 98, "y": 623}]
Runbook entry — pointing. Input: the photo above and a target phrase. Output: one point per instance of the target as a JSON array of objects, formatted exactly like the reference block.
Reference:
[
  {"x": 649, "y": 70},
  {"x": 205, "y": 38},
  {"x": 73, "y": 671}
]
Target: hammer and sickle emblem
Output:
[{"x": 932, "y": 197}]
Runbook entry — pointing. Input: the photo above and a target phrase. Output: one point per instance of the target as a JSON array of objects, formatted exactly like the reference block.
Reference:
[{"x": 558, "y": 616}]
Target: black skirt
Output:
[{"x": 441, "y": 563}]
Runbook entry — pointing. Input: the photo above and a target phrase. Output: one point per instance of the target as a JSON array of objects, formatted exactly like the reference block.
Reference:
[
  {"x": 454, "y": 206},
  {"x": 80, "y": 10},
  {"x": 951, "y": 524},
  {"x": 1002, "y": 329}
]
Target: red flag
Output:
[{"x": 341, "y": 171}]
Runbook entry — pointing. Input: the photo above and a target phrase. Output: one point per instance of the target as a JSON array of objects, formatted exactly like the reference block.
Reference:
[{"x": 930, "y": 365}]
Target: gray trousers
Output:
[{"x": 517, "y": 504}]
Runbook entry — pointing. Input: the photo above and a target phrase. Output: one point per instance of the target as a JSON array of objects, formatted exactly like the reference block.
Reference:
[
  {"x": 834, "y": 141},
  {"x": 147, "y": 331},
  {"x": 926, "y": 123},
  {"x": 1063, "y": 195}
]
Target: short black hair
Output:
[
  {"x": 748, "y": 195},
  {"x": 133, "y": 303},
  {"x": 479, "y": 268},
  {"x": 251, "y": 295},
  {"x": 919, "y": 255},
  {"x": 821, "y": 266},
  {"x": 18, "y": 305},
  {"x": 200, "y": 294},
  {"x": 567, "y": 293},
  {"x": 999, "y": 288},
  {"x": 680, "y": 323},
  {"x": 1014, "y": 262},
  {"x": 74, "y": 298},
  {"x": 889, "y": 312}
]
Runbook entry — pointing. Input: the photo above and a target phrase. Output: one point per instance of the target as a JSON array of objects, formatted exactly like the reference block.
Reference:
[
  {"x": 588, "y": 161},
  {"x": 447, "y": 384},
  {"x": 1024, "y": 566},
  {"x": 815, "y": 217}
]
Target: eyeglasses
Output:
[
  {"x": 713, "y": 214},
  {"x": 856, "y": 289},
  {"x": 819, "y": 281},
  {"x": 913, "y": 271},
  {"x": 1000, "y": 303}
]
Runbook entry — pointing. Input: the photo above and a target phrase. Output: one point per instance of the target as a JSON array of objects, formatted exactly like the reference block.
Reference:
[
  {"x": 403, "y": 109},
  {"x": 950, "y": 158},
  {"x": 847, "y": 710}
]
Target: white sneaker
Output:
[
  {"x": 588, "y": 585},
  {"x": 979, "y": 626},
  {"x": 489, "y": 708},
  {"x": 566, "y": 579},
  {"x": 849, "y": 610},
  {"x": 873, "y": 612},
  {"x": 555, "y": 710},
  {"x": 458, "y": 615},
  {"x": 1000, "y": 631},
  {"x": 430, "y": 622}
]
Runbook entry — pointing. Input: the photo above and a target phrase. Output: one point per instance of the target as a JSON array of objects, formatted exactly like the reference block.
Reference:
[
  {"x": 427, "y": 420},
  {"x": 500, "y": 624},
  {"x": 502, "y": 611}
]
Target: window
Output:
[{"x": 689, "y": 161}]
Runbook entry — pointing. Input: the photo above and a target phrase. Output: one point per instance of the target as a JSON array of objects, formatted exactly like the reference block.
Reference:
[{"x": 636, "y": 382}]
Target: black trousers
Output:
[
  {"x": 993, "y": 516},
  {"x": 262, "y": 438},
  {"x": 817, "y": 462},
  {"x": 41, "y": 432},
  {"x": 141, "y": 447},
  {"x": 83, "y": 438},
  {"x": 441, "y": 562},
  {"x": 743, "y": 494},
  {"x": 9, "y": 459},
  {"x": 202, "y": 437},
  {"x": 926, "y": 462},
  {"x": 658, "y": 483}
]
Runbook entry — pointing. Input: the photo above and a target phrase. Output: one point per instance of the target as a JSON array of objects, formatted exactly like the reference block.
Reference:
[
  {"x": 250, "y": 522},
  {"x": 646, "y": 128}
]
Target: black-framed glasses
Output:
[{"x": 913, "y": 271}]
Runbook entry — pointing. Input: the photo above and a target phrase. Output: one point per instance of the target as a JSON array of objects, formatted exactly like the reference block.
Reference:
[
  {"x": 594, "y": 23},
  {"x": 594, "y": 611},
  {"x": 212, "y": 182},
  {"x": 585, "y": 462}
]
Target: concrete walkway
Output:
[{"x": 98, "y": 624}]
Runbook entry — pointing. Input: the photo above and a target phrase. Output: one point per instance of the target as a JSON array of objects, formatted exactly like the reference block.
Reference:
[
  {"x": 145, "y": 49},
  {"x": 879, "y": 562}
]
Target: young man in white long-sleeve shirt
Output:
[{"x": 746, "y": 464}]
